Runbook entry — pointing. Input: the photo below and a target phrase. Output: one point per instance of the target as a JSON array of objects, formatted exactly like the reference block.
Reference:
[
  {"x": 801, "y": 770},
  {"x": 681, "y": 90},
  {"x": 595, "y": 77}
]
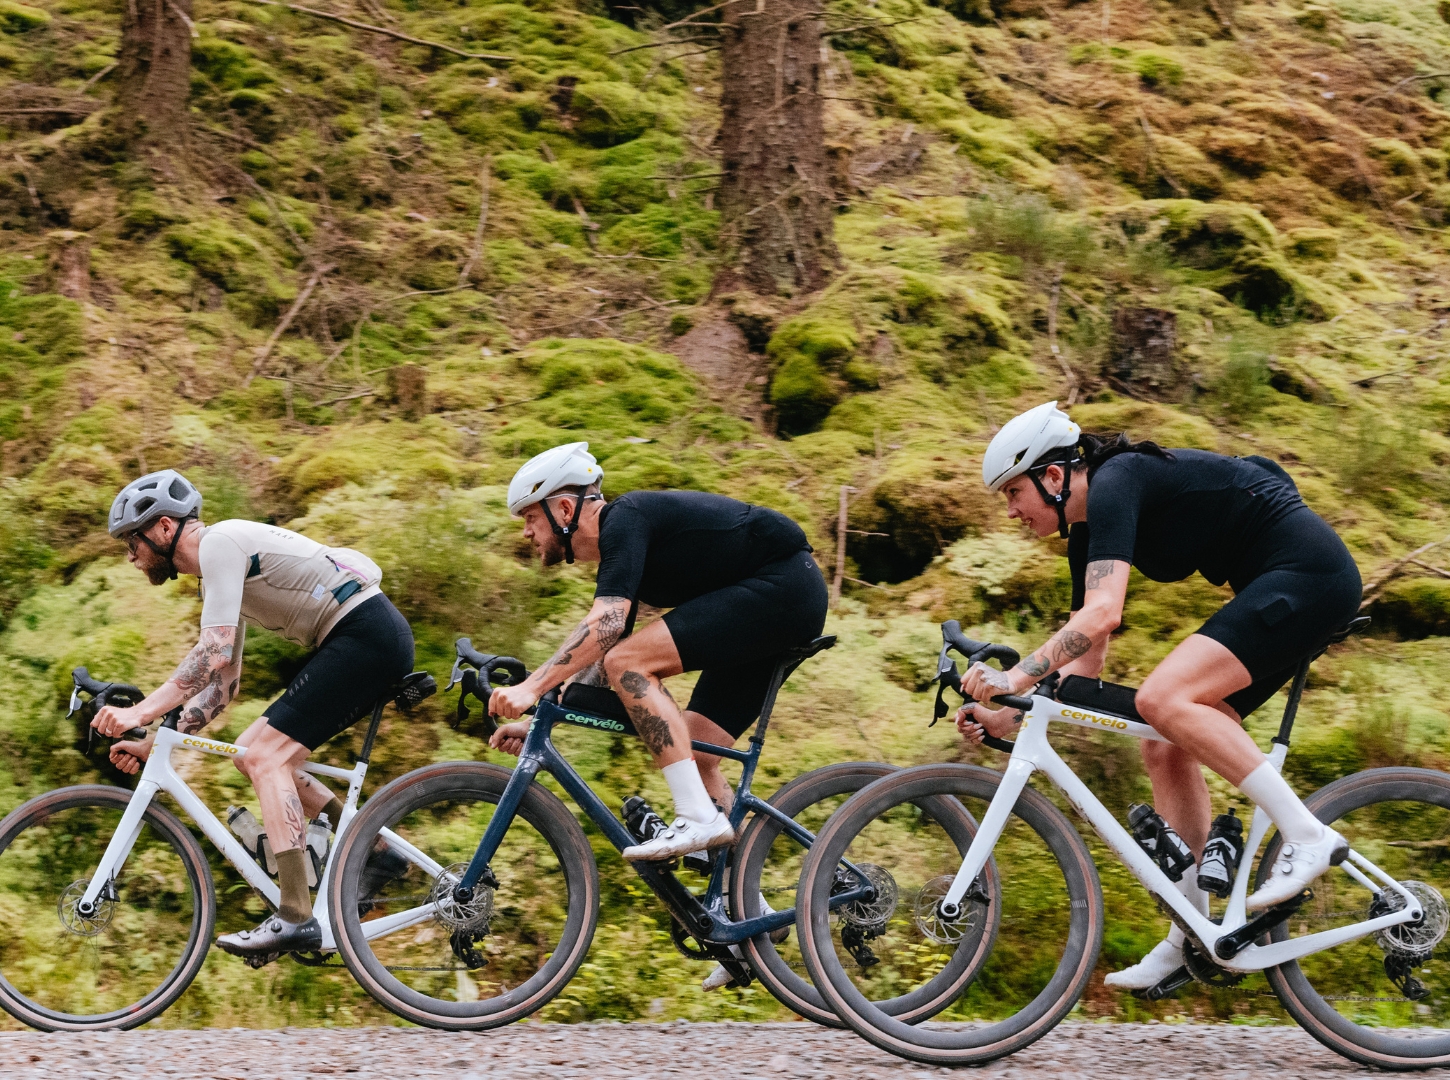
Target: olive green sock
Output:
[
  {"x": 296, "y": 906},
  {"x": 333, "y": 810}
]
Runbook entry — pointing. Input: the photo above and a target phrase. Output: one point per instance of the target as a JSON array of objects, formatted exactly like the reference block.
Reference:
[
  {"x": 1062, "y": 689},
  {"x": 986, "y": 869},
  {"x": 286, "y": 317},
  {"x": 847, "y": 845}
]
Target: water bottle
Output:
[
  {"x": 641, "y": 820},
  {"x": 319, "y": 842},
  {"x": 1157, "y": 838},
  {"x": 246, "y": 828},
  {"x": 1221, "y": 855}
]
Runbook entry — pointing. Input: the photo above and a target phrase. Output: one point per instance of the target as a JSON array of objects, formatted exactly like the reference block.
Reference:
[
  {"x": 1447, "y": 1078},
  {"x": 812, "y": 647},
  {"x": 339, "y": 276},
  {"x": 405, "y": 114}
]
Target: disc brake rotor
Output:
[
  {"x": 1412, "y": 940},
  {"x": 94, "y": 923},
  {"x": 470, "y": 918},
  {"x": 929, "y": 919},
  {"x": 878, "y": 910}
]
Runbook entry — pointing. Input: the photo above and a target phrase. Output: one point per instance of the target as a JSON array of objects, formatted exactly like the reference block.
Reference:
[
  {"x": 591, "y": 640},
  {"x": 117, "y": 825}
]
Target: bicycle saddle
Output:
[
  {"x": 1354, "y": 626},
  {"x": 805, "y": 652},
  {"x": 413, "y": 689}
]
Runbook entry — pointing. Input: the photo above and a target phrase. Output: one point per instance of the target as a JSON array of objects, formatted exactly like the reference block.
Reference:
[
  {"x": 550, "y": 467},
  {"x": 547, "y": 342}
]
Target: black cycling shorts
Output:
[
  {"x": 368, "y": 652},
  {"x": 733, "y": 636},
  {"x": 1305, "y": 587}
]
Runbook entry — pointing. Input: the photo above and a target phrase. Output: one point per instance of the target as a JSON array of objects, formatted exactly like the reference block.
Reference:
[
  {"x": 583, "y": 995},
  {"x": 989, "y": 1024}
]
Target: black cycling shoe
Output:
[
  {"x": 273, "y": 938},
  {"x": 382, "y": 869}
]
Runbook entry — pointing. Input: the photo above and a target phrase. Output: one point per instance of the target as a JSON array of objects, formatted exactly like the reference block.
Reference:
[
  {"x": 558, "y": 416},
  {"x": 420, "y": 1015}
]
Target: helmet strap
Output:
[
  {"x": 170, "y": 553},
  {"x": 565, "y": 533},
  {"x": 1058, "y": 501}
]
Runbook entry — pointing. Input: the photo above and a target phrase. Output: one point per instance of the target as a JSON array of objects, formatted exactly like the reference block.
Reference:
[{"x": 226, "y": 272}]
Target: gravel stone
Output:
[{"x": 614, "y": 1051}]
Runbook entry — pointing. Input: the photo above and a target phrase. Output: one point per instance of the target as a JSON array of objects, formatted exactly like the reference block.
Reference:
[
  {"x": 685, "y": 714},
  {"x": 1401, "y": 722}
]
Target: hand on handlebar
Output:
[
  {"x": 976, "y": 722},
  {"x": 984, "y": 683},
  {"x": 113, "y": 722},
  {"x": 510, "y": 737},
  {"x": 128, "y": 756},
  {"x": 510, "y": 702}
]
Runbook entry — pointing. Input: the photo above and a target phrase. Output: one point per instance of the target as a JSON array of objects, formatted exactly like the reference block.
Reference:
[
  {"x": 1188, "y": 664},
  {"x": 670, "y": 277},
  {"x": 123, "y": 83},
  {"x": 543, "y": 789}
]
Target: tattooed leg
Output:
[{"x": 314, "y": 794}]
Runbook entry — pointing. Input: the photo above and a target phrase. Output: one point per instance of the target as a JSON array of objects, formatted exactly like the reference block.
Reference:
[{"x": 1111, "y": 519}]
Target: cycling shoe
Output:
[
  {"x": 274, "y": 937},
  {"x": 683, "y": 837},
  {"x": 1164, "y": 959},
  {"x": 1298, "y": 865},
  {"x": 382, "y": 868}
]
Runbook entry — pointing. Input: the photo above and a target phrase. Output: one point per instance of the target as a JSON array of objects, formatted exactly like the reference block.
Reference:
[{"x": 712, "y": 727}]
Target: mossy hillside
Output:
[{"x": 968, "y": 195}]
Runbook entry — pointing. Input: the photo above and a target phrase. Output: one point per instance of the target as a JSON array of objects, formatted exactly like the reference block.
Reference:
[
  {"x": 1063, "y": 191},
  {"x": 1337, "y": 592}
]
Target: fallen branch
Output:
[
  {"x": 98, "y": 76},
  {"x": 506, "y": 404},
  {"x": 65, "y": 110},
  {"x": 1156, "y": 164},
  {"x": 1403, "y": 83},
  {"x": 29, "y": 183},
  {"x": 384, "y": 31},
  {"x": 659, "y": 45},
  {"x": 346, "y": 397},
  {"x": 1373, "y": 587},
  {"x": 483, "y": 181},
  {"x": 281, "y": 329},
  {"x": 1052, "y": 339},
  {"x": 1432, "y": 569}
]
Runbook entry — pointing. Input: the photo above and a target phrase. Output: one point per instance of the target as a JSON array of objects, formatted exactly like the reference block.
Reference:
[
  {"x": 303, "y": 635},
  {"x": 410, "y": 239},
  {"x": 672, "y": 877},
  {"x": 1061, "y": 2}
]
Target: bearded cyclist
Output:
[
  {"x": 325, "y": 599},
  {"x": 742, "y": 587},
  {"x": 1241, "y": 521}
]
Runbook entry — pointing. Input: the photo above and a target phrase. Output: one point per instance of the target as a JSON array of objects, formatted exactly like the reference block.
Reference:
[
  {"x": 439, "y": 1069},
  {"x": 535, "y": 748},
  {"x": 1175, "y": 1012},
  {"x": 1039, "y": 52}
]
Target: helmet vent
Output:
[
  {"x": 178, "y": 489},
  {"x": 142, "y": 505}
]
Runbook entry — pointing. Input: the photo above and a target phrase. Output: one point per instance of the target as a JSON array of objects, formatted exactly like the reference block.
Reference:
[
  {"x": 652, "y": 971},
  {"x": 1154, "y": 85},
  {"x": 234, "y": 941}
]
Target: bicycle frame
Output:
[
  {"x": 160, "y": 775},
  {"x": 1032, "y": 753},
  {"x": 704, "y": 917}
]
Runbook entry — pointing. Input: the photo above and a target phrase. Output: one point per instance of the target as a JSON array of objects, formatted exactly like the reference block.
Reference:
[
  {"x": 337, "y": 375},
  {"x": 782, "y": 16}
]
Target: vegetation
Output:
[{"x": 235, "y": 296}]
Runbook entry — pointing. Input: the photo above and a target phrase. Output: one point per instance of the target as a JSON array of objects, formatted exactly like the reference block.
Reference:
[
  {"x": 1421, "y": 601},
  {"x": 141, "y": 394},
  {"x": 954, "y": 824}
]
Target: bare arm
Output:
[
  {"x": 220, "y": 689},
  {"x": 596, "y": 635},
  {"x": 193, "y": 678}
]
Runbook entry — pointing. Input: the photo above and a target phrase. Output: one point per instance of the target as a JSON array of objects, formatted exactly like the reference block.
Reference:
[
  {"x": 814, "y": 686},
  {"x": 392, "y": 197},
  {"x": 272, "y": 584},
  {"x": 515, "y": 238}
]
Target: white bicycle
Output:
[
  {"x": 1356, "y": 960},
  {"x": 107, "y": 903}
]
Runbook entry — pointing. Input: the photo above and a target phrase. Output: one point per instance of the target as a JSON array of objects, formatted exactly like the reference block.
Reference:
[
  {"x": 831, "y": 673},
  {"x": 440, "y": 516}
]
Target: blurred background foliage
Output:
[{"x": 1011, "y": 176}]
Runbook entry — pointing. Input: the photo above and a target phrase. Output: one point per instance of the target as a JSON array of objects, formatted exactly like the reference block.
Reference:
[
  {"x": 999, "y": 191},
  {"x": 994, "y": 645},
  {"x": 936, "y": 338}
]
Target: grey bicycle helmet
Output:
[{"x": 156, "y": 495}]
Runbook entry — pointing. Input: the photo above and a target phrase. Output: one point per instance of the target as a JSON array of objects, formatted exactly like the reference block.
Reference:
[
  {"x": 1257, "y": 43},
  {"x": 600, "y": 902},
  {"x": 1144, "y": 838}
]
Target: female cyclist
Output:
[{"x": 1170, "y": 513}]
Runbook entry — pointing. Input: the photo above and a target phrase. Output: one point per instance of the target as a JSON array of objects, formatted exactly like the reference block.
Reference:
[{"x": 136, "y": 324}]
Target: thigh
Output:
[
  {"x": 1199, "y": 670},
  {"x": 731, "y": 698},
  {"x": 345, "y": 677},
  {"x": 781, "y": 606}
]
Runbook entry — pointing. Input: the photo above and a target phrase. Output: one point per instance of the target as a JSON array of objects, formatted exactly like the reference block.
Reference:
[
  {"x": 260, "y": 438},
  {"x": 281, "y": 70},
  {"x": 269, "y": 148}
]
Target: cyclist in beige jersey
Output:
[{"x": 325, "y": 599}]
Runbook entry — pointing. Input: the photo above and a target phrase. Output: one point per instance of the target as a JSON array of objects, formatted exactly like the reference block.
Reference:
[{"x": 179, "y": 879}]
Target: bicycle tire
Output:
[
  {"x": 169, "y": 828},
  {"x": 963, "y": 1045},
  {"x": 775, "y": 974},
  {"x": 1366, "y": 1045},
  {"x": 485, "y": 782}
]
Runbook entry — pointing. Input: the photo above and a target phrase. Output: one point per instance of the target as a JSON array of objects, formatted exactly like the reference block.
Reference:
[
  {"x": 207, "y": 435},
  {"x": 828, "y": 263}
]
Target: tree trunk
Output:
[
  {"x": 775, "y": 200},
  {"x": 153, "y": 69}
]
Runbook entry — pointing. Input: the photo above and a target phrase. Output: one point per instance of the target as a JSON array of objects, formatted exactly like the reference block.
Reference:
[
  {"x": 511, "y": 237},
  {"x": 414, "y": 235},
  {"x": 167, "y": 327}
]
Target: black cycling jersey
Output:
[
  {"x": 1234, "y": 520},
  {"x": 1170, "y": 517},
  {"x": 666, "y": 547}
]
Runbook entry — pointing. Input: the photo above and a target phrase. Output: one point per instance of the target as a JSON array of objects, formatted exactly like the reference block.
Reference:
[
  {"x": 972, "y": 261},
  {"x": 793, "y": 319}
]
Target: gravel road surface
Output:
[{"x": 648, "y": 1051}]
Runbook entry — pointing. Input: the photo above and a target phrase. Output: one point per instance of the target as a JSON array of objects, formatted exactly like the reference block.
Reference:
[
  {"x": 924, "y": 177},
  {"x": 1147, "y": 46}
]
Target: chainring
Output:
[
  {"x": 1204, "y": 970},
  {"x": 86, "y": 925},
  {"x": 472, "y": 918}
]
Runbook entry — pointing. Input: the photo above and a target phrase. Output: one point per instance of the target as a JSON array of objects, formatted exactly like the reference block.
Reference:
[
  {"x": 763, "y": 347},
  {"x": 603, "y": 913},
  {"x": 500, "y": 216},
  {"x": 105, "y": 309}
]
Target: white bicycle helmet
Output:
[
  {"x": 546, "y": 474},
  {"x": 1025, "y": 445}
]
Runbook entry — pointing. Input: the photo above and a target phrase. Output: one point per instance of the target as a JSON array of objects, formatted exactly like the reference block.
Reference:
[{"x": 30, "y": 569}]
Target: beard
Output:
[{"x": 551, "y": 551}]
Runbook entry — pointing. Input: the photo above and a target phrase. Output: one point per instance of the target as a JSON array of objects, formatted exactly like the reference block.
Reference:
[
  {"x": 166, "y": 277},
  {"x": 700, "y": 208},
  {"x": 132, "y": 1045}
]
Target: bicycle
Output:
[
  {"x": 107, "y": 903},
  {"x": 1381, "y": 916},
  {"x": 514, "y": 911}
]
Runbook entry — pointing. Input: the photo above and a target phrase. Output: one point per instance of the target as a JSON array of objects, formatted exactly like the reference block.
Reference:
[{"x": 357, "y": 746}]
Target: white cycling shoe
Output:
[
  {"x": 1297, "y": 866},
  {"x": 721, "y": 976},
  {"x": 683, "y": 837},
  {"x": 1161, "y": 962}
]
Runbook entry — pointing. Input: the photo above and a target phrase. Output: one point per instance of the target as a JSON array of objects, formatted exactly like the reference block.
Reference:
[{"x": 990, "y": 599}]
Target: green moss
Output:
[
  {"x": 1155, "y": 70},
  {"x": 802, "y": 394},
  {"x": 17, "y": 18},
  {"x": 1312, "y": 243}
]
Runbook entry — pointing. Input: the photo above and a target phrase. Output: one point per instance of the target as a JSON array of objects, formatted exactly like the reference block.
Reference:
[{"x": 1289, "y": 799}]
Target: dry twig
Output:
[
  {"x": 281, "y": 329},
  {"x": 499, "y": 57},
  {"x": 1374, "y": 586},
  {"x": 483, "y": 181},
  {"x": 1403, "y": 83}
]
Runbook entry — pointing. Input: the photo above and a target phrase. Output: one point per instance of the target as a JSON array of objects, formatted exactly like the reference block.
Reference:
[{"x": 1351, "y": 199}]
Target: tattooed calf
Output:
[{"x": 652, "y": 728}]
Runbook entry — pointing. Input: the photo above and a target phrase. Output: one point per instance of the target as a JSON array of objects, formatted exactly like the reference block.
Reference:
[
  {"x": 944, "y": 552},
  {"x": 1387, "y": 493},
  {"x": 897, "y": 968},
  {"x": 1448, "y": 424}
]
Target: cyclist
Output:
[
  {"x": 1121, "y": 504},
  {"x": 325, "y": 599},
  {"x": 742, "y": 587}
]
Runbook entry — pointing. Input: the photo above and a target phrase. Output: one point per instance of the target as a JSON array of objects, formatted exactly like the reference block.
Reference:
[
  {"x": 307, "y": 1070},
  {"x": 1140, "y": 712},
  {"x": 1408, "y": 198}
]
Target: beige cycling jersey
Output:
[{"x": 280, "y": 580}]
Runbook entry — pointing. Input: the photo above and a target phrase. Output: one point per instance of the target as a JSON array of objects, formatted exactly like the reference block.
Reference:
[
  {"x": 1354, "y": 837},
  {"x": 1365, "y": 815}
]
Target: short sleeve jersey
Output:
[
  {"x": 280, "y": 580},
  {"x": 1197, "y": 511},
  {"x": 666, "y": 547}
]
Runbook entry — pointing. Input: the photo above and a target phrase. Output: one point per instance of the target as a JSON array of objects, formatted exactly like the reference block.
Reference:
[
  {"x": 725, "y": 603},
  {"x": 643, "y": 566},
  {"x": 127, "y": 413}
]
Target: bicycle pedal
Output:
[
  {"x": 1169, "y": 984},
  {"x": 261, "y": 960}
]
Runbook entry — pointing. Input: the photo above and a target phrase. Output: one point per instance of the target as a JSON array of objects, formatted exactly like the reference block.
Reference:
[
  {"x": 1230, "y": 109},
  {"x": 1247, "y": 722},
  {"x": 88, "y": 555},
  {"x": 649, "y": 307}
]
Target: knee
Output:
[
  {"x": 1155, "y": 701},
  {"x": 621, "y": 659}
]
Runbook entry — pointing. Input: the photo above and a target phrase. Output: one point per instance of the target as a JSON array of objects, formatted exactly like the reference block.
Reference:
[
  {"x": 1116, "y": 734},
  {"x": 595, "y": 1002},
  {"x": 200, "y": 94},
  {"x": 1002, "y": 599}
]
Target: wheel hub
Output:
[
  {"x": 875, "y": 911},
  {"x": 935, "y": 920},
  {"x": 471, "y": 917},
  {"x": 82, "y": 919},
  {"x": 1412, "y": 940}
]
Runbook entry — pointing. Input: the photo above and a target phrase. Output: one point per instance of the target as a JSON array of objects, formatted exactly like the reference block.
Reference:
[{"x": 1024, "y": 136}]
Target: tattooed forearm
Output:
[
  {"x": 612, "y": 621},
  {"x": 211, "y": 654},
  {"x": 1035, "y": 666},
  {"x": 207, "y": 705},
  {"x": 1070, "y": 645},
  {"x": 566, "y": 650},
  {"x": 652, "y": 728},
  {"x": 1096, "y": 571}
]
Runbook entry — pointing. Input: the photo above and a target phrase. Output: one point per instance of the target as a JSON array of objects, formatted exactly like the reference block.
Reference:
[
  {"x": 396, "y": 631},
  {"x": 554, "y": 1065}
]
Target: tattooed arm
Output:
[
  {"x": 221, "y": 687},
  {"x": 596, "y": 635},
  {"x": 193, "y": 678},
  {"x": 1079, "y": 645}
]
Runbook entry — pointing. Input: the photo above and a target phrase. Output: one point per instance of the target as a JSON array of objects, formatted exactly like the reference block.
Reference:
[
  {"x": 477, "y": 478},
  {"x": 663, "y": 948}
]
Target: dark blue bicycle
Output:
[{"x": 496, "y": 916}]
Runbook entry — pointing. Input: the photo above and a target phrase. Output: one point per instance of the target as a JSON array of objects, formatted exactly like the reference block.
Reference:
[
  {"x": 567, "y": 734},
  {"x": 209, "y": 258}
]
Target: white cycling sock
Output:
[
  {"x": 1272, "y": 793},
  {"x": 1196, "y": 896},
  {"x": 692, "y": 801}
]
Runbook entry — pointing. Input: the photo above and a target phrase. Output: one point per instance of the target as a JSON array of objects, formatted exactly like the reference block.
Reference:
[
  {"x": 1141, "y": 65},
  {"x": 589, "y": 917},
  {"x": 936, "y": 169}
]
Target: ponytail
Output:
[{"x": 1096, "y": 449}]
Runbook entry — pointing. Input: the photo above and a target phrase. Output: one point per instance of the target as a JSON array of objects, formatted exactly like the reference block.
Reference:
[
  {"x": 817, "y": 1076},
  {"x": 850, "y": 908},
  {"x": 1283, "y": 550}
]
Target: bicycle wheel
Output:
[
  {"x": 141, "y": 949},
  {"x": 1044, "y": 899},
  {"x": 767, "y": 862},
  {"x": 464, "y": 969},
  {"x": 1346, "y": 996}
]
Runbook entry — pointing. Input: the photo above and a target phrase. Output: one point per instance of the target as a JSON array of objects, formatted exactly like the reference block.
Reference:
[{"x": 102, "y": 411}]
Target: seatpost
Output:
[
  {"x": 367, "y": 747},
  {"x": 1291, "y": 710},
  {"x": 782, "y": 672}
]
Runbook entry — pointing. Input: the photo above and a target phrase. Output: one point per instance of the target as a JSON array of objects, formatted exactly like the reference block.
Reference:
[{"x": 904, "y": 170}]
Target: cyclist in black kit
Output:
[
  {"x": 742, "y": 587},
  {"x": 1169, "y": 513}
]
